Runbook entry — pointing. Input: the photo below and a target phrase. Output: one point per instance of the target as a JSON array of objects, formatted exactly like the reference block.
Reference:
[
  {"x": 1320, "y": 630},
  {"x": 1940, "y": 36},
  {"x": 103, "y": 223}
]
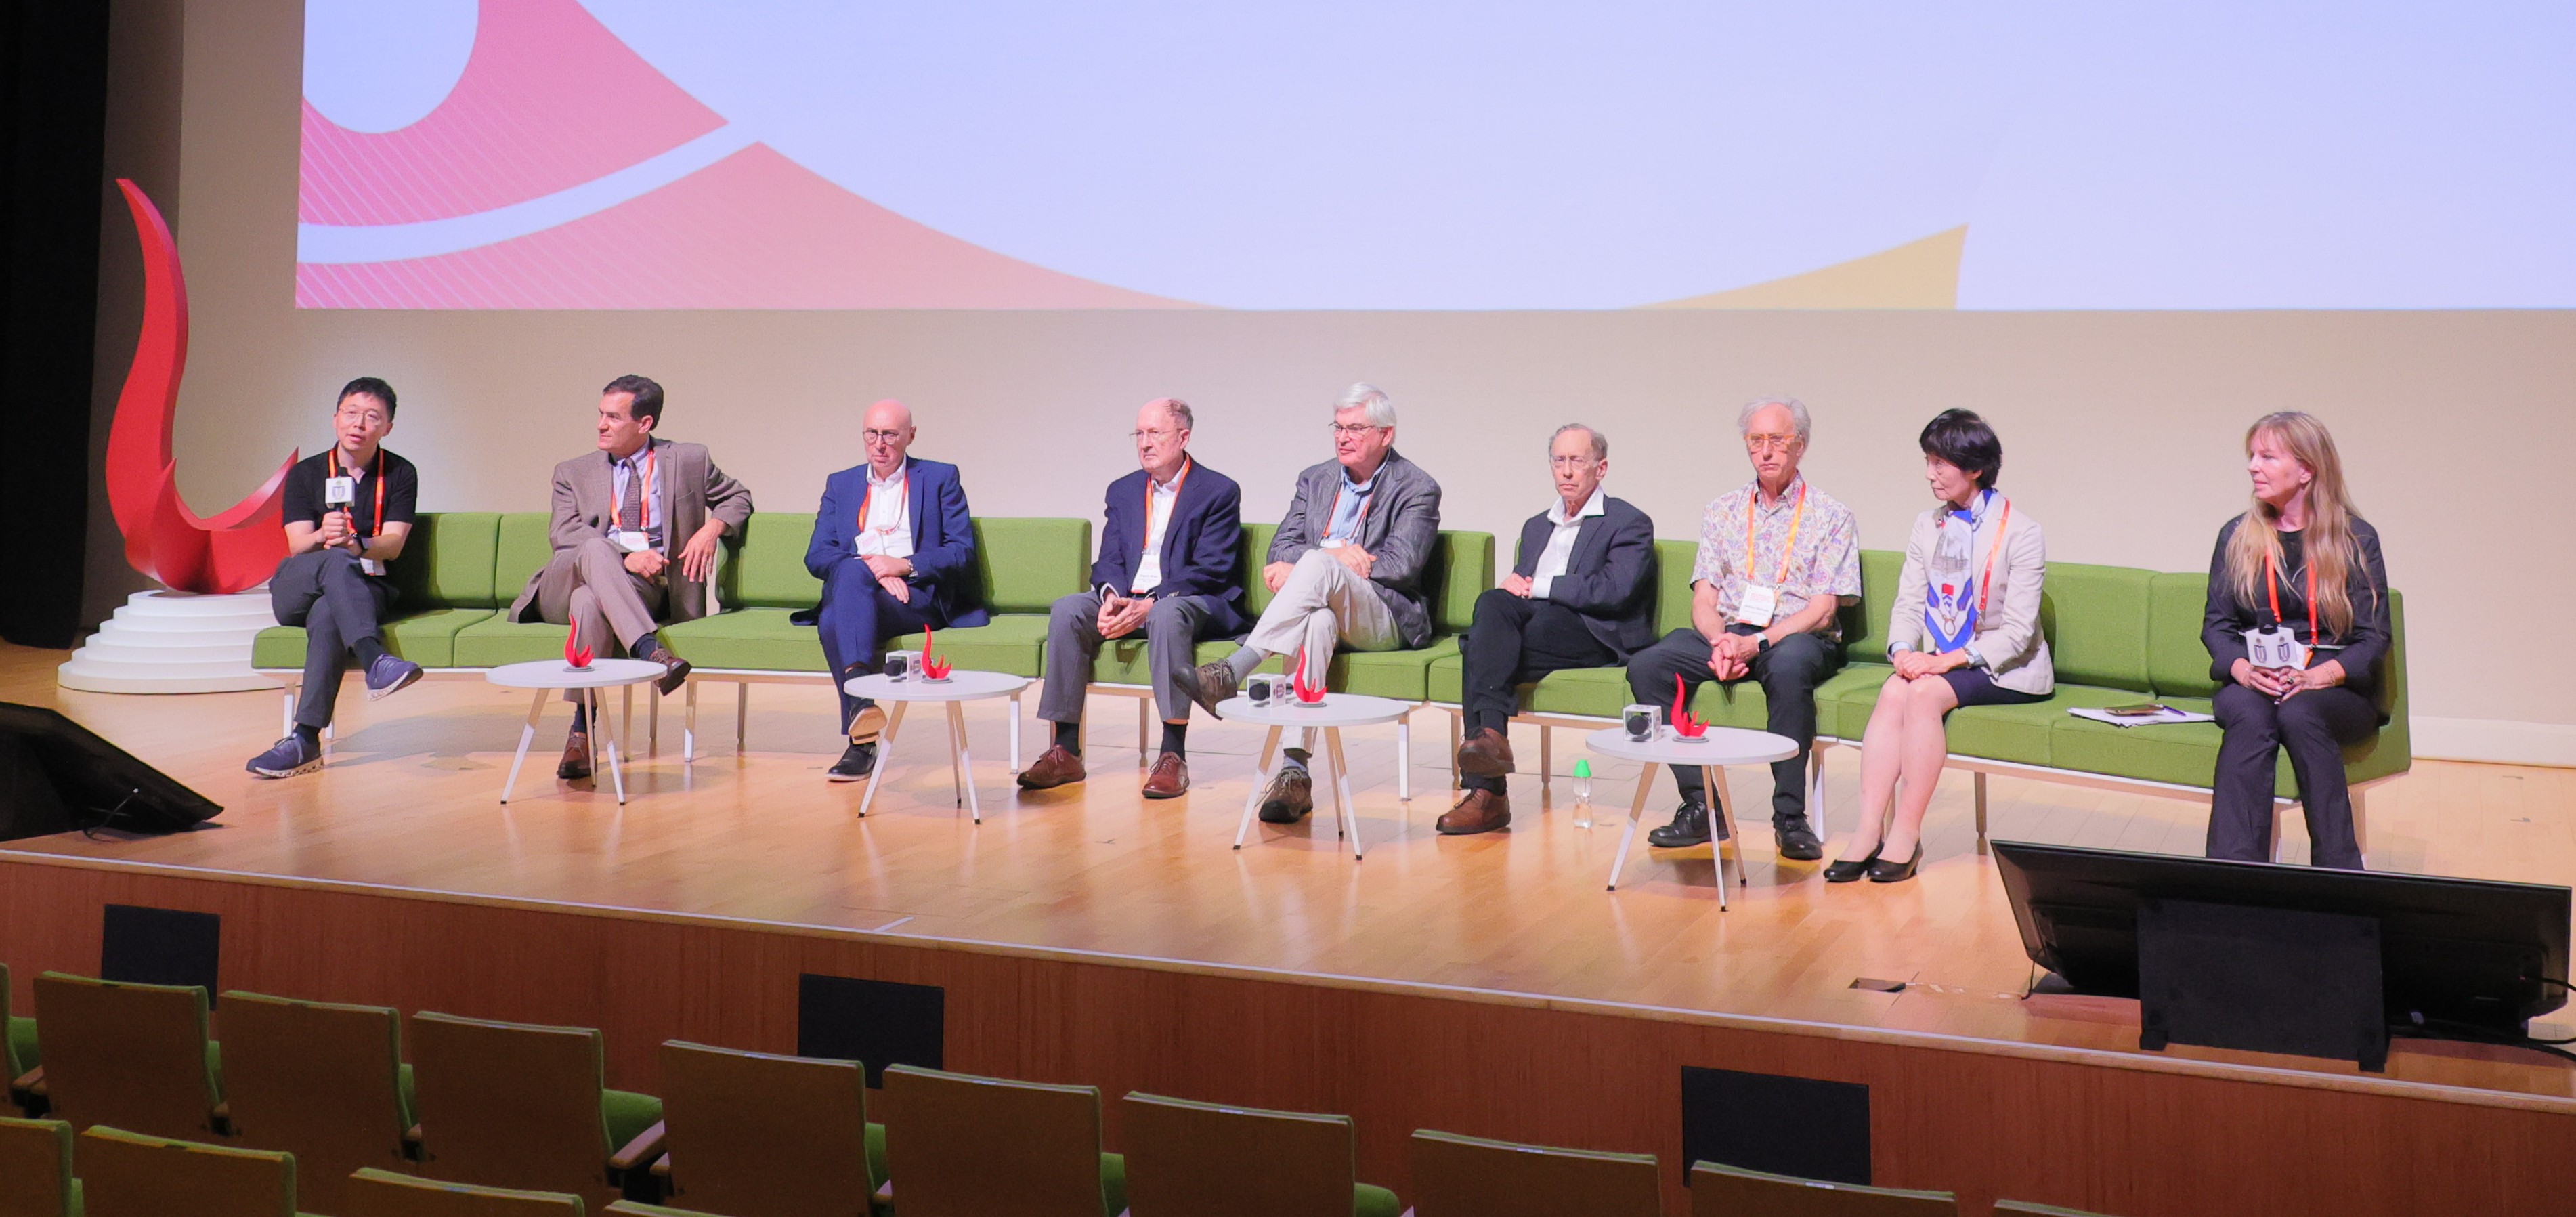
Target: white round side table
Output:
[
  {"x": 1722, "y": 746},
  {"x": 958, "y": 689},
  {"x": 1336, "y": 711},
  {"x": 553, "y": 675}
]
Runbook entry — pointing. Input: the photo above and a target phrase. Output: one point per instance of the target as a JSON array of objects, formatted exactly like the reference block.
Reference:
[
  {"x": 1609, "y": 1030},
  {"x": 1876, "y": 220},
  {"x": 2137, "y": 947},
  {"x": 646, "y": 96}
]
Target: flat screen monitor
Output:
[{"x": 2471, "y": 951}]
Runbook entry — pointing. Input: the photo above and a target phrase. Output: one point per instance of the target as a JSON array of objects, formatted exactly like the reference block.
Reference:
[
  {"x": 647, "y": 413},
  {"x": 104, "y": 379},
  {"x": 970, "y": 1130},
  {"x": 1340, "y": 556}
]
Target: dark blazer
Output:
[
  {"x": 1609, "y": 579},
  {"x": 2224, "y": 621},
  {"x": 943, "y": 541},
  {"x": 1398, "y": 528},
  {"x": 1201, "y": 543}
]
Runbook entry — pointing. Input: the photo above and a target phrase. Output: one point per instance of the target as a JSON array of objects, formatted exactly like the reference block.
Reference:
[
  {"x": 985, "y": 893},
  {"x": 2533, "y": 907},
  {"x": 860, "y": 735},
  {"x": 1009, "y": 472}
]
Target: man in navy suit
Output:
[
  {"x": 895, "y": 550},
  {"x": 1166, "y": 566},
  {"x": 1581, "y": 595}
]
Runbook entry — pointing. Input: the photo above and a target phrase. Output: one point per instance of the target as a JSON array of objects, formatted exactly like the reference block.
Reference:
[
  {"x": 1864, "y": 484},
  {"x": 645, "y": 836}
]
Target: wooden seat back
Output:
[
  {"x": 35, "y": 1168},
  {"x": 1185, "y": 1158},
  {"x": 382, "y": 1193},
  {"x": 320, "y": 1081},
  {"x": 126, "y": 1174},
  {"x": 756, "y": 1135},
  {"x": 1456, "y": 1176},
  {"x": 511, "y": 1105},
  {"x": 964, "y": 1146},
  {"x": 1717, "y": 1190},
  {"x": 132, "y": 1056}
]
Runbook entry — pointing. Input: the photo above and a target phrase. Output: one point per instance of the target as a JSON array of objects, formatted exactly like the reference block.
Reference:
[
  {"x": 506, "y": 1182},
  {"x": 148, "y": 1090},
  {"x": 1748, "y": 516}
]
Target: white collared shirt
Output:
[
  {"x": 1160, "y": 498},
  {"x": 1559, "y": 553},
  {"x": 633, "y": 465},
  {"x": 888, "y": 528}
]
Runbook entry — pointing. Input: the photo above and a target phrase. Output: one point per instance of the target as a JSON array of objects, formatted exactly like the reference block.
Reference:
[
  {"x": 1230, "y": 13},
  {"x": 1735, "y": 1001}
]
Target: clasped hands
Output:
[
  {"x": 2282, "y": 684},
  {"x": 890, "y": 573},
  {"x": 1122, "y": 615},
  {"x": 1730, "y": 655},
  {"x": 1915, "y": 665}
]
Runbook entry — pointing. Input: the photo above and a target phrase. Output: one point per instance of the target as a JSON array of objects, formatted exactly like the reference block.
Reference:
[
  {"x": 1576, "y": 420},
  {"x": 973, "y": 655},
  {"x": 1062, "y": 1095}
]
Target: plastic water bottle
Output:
[{"x": 1583, "y": 793}]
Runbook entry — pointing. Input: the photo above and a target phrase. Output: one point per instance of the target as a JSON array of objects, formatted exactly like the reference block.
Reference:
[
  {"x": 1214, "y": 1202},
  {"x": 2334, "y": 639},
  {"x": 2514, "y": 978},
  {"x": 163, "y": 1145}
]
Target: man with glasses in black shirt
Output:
[{"x": 348, "y": 512}]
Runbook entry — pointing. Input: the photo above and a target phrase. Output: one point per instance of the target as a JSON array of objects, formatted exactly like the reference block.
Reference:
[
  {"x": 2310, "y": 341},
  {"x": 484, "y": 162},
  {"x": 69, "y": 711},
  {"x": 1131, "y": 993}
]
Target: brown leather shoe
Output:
[
  {"x": 1486, "y": 754},
  {"x": 1170, "y": 778},
  {"x": 675, "y": 670},
  {"x": 1054, "y": 767},
  {"x": 869, "y": 723},
  {"x": 1207, "y": 684},
  {"x": 576, "y": 758},
  {"x": 1290, "y": 797},
  {"x": 1480, "y": 811}
]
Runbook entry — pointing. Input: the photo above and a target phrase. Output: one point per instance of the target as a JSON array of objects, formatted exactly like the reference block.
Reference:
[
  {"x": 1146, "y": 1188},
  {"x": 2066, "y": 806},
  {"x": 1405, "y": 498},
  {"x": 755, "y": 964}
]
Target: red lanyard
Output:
[
  {"x": 1177, "y": 483},
  {"x": 2272, "y": 588},
  {"x": 1986, "y": 581},
  {"x": 644, "y": 500},
  {"x": 379, "y": 520},
  {"x": 903, "y": 504},
  {"x": 1788, "y": 548},
  {"x": 1336, "y": 512}
]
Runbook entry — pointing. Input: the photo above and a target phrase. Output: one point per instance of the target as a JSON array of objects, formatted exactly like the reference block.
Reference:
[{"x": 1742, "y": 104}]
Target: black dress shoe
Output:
[
  {"x": 1843, "y": 870},
  {"x": 1883, "y": 871},
  {"x": 1798, "y": 842},
  {"x": 1689, "y": 827},
  {"x": 857, "y": 761}
]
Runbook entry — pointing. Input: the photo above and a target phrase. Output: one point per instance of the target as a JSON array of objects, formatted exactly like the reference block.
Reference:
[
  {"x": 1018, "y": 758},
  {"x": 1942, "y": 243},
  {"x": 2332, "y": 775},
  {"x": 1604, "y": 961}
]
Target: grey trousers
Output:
[
  {"x": 337, "y": 604},
  {"x": 589, "y": 588},
  {"x": 1172, "y": 631}
]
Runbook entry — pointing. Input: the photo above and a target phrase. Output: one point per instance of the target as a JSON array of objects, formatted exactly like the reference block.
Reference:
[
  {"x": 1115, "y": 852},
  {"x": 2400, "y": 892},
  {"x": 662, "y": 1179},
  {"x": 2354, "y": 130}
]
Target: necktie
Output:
[{"x": 632, "y": 505}]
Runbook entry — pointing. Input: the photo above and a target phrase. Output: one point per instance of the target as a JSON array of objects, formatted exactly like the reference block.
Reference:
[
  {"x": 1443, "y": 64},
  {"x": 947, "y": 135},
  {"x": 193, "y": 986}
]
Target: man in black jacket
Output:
[{"x": 1580, "y": 595}]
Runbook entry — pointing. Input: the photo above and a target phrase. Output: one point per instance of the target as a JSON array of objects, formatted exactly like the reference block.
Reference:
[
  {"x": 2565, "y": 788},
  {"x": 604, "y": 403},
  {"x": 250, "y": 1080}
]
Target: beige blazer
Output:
[
  {"x": 691, "y": 489},
  {"x": 2008, "y": 634}
]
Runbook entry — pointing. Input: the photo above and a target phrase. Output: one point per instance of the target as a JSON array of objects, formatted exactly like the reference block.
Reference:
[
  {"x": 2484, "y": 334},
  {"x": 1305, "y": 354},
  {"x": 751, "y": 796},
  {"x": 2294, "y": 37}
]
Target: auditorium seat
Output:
[
  {"x": 756, "y": 1135},
  {"x": 965, "y": 1145},
  {"x": 125, "y": 1174},
  {"x": 2042, "y": 1210},
  {"x": 1725, "y": 1191},
  {"x": 321, "y": 1081},
  {"x": 523, "y": 1106},
  {"x": 382, "y": 1193},
  {"x": 1456, "y": 1176},
  {"x": 18, "y": 1052},
  {"x": 36, "y": 1169},
  {"x": 633, "y": 1208},
  {"x": 1186, "y": 1158},
  {"x": 134, "y": 1056}
]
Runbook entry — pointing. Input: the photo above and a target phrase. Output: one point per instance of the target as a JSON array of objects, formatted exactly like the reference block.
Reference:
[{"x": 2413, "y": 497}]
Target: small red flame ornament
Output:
[
  {"x": 1311, "y": 695},
  {"x": 932, "y": 667},
  {"x": 576, "y": 656},
  {"x": 1684, "y": 725}
]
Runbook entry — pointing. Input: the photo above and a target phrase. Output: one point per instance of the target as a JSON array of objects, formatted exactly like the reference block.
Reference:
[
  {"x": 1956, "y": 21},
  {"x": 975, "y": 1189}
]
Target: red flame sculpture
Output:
[
  {"x": 234, "y": 551},
  {"x": 932, "y": 667},
  {"x": 1684, "y": 725},
  {"x": 1306, "y": 694},
  {"x": 576, "y": 655}
]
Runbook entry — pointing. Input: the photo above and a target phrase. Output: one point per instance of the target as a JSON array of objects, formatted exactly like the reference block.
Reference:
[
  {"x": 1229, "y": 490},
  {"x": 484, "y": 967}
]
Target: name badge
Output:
[
  {"x": 339, "y": 491},
  {"x": 631, "y": 542},
  {"x": 1331, "y": 543},
  {"x": 372, "y": 566},
  {"x": 2277, "y": 647},
  {"x": 1757, "y": 606}
]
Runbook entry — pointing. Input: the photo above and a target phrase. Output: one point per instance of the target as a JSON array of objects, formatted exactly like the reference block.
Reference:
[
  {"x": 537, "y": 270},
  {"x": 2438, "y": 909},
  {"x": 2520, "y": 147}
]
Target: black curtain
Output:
[{"x": 53, "y": 114}]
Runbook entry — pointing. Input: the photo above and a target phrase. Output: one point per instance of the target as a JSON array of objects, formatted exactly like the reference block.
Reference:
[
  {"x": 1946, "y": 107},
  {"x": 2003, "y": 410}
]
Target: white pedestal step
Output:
[{"x": 173, "y": 642}]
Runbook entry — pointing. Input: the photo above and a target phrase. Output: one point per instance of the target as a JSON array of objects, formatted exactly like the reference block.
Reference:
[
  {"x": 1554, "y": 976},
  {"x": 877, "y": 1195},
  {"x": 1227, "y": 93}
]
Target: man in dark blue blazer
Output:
[
  {"x": 895, "y": 549},
  {"x": 1167, "y": 566},
  {"x": 1581, "y": 595}
]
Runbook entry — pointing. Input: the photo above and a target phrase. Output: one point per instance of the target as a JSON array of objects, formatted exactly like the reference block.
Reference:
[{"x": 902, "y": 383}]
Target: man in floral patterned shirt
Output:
[{"x": 1776, "y": 559}]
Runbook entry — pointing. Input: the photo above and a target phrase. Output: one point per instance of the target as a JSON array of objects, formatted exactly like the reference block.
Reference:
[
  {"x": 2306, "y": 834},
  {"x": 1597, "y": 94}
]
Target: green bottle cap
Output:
[{"x": 1583, "y": 768}]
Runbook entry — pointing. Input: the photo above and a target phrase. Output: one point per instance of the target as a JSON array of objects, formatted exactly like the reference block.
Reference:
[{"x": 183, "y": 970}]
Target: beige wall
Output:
[{"x": 2122, "y": 430}]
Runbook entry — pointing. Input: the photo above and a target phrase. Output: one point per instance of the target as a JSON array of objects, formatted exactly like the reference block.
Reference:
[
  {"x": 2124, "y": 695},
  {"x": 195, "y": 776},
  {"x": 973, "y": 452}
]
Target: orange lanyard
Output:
[
  {"x": 335, "y": 467},
  {"x": 903, "y": 506},
  {"x": 644, "y": 500},
  {"x": 1336, "y": 512},
  {"x": 1986, "y": 581},
  {"x": 1788, "y": 548},
  {"x": 1177, "y": 483},
  {"x": 2272, "y": 588}
]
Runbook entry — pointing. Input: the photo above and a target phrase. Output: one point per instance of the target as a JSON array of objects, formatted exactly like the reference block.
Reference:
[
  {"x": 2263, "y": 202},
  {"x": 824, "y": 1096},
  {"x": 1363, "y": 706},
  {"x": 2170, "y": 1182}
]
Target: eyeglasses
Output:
[
  {"x": 1570, "y": 462},
  {"x": 1158, "y": 436},
  {"x": 1353, "y": 430},
  {"x": 366, "y": 417},
  {"x": 882, "y": 437},
  {"x": 1770, "y": 443}
]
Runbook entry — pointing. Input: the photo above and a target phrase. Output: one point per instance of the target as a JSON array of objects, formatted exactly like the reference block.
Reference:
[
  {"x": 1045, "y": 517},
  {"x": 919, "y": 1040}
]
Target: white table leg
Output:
[
  {"x": 1260, "y": 778},
  {"x": 964, "y": 759},
  {"x": 956, "y": 787},
  {"x": 1404, "y": 758},
  {"x": 536, "y": 707},
  {"x": 885, "y": 757},
  {"x": 616, "y": 744},
  {"x": 626, "y": 724},
  {"x": 592, "y": 730},
  {"x": 1345, "y": 817},
  {"x": 689, "y": 727},
  {"x": 1713, "y": 779},
  {"x": 1636, "y": 811}
]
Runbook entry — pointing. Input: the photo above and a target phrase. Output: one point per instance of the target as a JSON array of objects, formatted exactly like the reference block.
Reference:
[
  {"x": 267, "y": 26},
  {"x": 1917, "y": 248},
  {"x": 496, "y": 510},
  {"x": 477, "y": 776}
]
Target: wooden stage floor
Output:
[{"x": 410, "y": 802}]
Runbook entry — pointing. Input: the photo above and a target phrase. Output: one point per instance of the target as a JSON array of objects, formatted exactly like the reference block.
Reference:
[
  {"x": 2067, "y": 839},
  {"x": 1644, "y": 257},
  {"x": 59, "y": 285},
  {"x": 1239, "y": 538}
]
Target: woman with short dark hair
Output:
[{"x": 1964, "y": 632}]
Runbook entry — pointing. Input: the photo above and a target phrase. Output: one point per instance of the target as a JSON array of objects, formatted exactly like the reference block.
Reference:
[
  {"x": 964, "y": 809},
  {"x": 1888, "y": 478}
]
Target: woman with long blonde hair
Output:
[{"x": 2296, "y": 625}]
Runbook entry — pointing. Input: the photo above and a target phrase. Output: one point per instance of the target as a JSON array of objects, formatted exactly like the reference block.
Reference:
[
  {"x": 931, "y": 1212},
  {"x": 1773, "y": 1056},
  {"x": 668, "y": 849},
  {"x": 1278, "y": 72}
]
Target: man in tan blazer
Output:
[{"x": 635, "y": 532}]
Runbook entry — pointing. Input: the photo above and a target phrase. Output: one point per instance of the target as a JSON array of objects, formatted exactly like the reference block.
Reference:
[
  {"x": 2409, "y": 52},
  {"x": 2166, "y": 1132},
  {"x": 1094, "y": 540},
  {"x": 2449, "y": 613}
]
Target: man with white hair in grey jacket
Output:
[{"x": 1347, "y": 569}]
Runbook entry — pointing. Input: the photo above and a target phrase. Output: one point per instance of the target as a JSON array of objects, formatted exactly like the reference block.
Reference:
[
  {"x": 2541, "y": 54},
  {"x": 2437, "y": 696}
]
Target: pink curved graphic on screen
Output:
[{"x": 521, "y": 191}]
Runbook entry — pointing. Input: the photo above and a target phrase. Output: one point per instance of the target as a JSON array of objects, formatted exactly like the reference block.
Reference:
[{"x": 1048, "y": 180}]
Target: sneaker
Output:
[
  {"x": 291, "y": 756},
  {"x": 856, "y": 763},
  {"x": 390, "y": 674}
]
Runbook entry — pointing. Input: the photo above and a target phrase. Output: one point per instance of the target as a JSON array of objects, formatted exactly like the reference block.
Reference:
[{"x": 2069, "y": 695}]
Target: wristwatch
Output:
[{"x": 1761, "y": 643}]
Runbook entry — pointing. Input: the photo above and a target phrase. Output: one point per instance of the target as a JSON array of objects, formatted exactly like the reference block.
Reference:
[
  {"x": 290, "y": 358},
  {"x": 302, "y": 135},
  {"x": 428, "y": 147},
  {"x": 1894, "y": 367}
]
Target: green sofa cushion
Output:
[
  {"x": 1865, "y": 625},
  {"x": 1402, "y": 675},
  {"x": 447, "y": 561},
  {"x": 426, "y": 638},
  {"x": 1673, "y": 563},
  {"x": 1013, "y": 643},
  {"x": 2177, "y": 661},
  {"x": 2096, "y": 622},
  {"x": 765, "y": 566},
  {"x": 525, "y": 544},
  {"x": 2021, "y": 734},
  {"x": 1028, "y": 563},
  {"x": 494, "y": 641},
  {"x": 753, "y": 639}
]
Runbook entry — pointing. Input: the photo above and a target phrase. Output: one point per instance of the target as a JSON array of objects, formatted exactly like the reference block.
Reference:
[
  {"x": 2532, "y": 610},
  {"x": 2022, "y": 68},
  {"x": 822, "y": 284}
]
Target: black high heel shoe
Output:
[
  {"x": 1895, "y": 872},
  {"x": 1840, "y": 871}
]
